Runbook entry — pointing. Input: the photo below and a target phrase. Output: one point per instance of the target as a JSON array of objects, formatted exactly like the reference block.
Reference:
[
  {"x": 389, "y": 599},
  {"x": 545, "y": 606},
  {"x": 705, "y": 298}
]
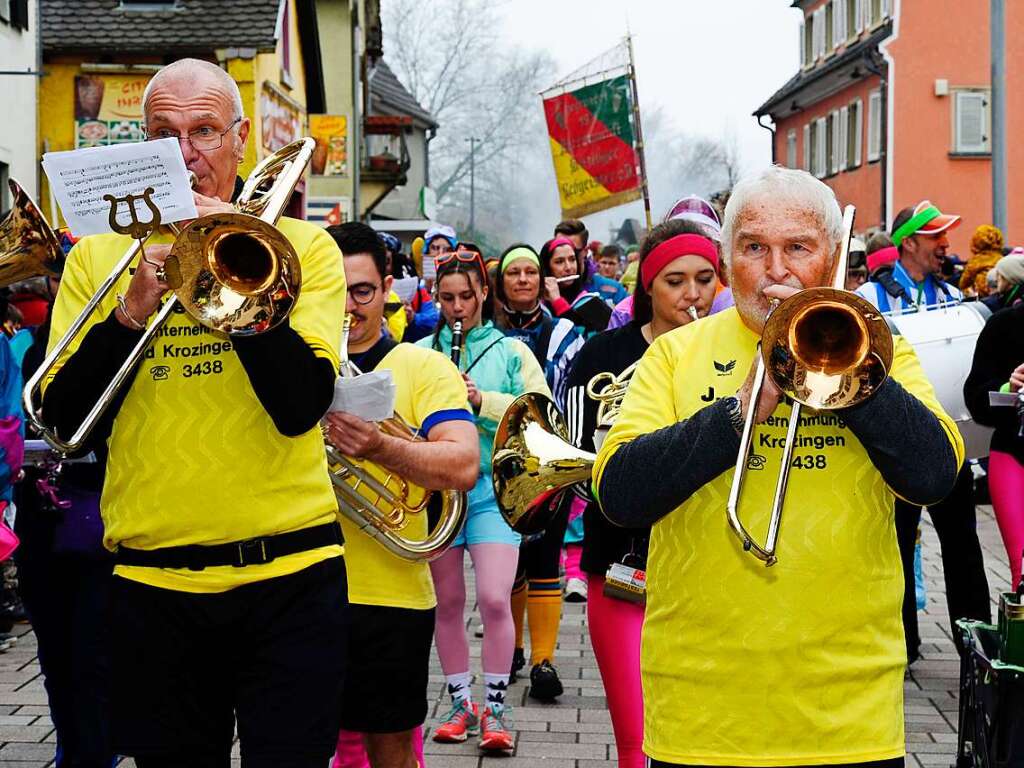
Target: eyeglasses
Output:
[
  {"x": 362, "y": 293},
  {"x": 203, "y": 139}
]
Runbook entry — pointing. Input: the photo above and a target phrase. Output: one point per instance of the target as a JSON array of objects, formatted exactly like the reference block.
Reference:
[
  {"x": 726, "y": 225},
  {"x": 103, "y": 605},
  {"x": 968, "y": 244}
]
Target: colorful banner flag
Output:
[{"x": 593, "y": 145}]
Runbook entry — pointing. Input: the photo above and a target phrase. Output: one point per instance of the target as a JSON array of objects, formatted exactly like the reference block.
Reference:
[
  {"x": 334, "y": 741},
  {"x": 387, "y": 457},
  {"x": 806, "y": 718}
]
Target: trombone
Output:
[
  {"x": 232, "y": 272},
  {"x": 825, "y": 348}
]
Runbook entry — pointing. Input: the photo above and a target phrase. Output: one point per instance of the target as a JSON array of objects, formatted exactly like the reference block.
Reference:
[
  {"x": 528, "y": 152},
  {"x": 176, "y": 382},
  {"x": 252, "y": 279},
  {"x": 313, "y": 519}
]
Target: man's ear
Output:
[
  {"x": 388, "y": 282},
  {"x": 243, "y": 136}
]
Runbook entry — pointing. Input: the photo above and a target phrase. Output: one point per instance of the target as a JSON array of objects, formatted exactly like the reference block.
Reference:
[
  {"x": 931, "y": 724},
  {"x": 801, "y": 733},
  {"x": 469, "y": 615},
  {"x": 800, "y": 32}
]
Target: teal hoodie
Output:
[{"x": 502, "y": 368}]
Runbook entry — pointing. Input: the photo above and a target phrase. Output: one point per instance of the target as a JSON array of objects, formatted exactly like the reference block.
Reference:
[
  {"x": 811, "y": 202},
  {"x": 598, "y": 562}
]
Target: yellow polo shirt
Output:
[
  {"x": 429, "y": 391},
  {"x": 194, "y": 458},
  {"x": 798, "y": 664}
]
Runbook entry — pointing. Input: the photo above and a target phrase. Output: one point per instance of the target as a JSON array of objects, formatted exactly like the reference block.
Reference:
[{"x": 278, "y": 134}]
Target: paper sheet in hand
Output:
[
  {"x": 370, "y": 396},
  {"x": 405, "y": 288},
  {"x": 81, "y": 177}
]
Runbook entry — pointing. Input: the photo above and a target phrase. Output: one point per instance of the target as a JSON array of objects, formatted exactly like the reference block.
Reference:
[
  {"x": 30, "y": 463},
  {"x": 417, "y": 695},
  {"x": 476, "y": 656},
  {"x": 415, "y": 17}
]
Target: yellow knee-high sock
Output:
[
  {"x": 544, "y": 611},
  {"x": 519, "y": 610}
]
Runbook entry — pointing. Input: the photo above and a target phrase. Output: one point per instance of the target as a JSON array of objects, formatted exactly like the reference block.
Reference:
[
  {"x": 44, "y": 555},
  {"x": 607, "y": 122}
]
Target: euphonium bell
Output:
[
  {"x": 383, "y": 504},
  {"x": 534, "y": 462}
]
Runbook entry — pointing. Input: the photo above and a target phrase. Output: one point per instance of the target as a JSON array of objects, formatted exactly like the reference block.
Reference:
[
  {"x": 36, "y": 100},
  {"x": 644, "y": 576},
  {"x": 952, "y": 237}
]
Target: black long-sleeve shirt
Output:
[{"x": 999, "y": 351}]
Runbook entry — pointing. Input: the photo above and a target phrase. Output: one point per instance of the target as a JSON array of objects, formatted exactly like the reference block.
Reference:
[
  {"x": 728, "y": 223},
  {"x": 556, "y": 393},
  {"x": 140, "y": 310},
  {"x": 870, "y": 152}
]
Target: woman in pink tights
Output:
[
  {"x": 678, "y": 277},
  {"x": 999, "y": 366}
]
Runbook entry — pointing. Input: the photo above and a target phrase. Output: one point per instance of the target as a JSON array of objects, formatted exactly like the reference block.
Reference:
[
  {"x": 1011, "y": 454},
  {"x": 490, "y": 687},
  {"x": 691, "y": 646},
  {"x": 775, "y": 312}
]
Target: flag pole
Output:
[{"x": 639, "y": 133}]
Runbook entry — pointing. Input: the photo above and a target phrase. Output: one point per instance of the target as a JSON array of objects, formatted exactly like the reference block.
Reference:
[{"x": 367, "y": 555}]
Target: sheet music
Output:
[
  {"x": 81, "y": 177},
  {"x": 405, "y": 287}
]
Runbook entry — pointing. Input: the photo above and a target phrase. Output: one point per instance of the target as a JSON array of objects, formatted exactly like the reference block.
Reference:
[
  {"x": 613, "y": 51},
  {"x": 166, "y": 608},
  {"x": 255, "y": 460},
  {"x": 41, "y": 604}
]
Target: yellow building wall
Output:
[{"x": 57, "y": 98}]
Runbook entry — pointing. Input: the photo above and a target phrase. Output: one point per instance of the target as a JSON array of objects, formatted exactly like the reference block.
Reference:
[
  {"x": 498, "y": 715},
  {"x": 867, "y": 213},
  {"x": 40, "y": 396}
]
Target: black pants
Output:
[
  {"x": 67, "y": 601},
  {"x": 540, "y": 558},
  {"x": 270, "y": 655},
  {"x": 962, "y": 563},
  {"x": 896, "y": 762}
]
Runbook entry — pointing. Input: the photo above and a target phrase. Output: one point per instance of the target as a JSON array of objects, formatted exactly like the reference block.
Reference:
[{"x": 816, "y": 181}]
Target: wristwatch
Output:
[{"x": 734, "y": 408}]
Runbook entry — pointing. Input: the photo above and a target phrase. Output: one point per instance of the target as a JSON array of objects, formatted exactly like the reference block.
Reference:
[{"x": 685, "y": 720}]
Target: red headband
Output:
[
  {"x": 559, "y": 241},
  {"x": 670, "y": 250}
]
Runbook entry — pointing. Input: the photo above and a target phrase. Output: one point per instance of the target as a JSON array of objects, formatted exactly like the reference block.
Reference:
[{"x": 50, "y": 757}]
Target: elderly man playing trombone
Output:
[
  {"x": 230, "y": 591},
  {"x": 801, "y": 663}
]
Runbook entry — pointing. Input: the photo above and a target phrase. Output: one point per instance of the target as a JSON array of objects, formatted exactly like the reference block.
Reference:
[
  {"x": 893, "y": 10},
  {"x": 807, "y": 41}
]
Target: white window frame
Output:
[
  {"x": 791, "y": 148},
  {"x": 844, "y": 130},
  {"x": 807, "y": 147},
  {"x": 984, "y": 95},
  {"x": 861, "y": 6},
  {"x": 874, "y": 125}
]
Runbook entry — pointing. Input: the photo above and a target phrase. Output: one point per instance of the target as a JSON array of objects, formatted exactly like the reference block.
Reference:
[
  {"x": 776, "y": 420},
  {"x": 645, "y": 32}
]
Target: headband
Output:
[
  {"x": 519, "y": 253},
  {"x": 670, "y": 250},
  {"x": 558, "y": 241},
  {"x": 914, "y": 223}
]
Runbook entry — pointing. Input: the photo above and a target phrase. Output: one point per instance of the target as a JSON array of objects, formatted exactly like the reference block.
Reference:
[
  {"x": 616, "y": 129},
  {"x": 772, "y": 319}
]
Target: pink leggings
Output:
[
  {"x": 615, "y": 634},
  {"x": 495, "y": 566},
  {"x": 1006, "y": 485},
  {"x": 351, "y": 751},
  {"x": 571, "y": 557}
]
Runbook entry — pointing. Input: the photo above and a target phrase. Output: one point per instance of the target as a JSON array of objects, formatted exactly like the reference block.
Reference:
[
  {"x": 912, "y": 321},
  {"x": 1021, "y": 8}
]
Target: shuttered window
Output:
[
  {"x": 807, "y": 147},
  {"x": 820, "y": 148},
  {"x": 843, "y": 143},
  {"x": 791, "y": 148},
  {"x": 874, "y": 125},
  {"x": 830, "y": 27},
  {"x": 971, "y": 121},
  {"x": 840, "y": 33},
  {"x": 861, "y": 13},
  {"x": 855, "y": 128}
]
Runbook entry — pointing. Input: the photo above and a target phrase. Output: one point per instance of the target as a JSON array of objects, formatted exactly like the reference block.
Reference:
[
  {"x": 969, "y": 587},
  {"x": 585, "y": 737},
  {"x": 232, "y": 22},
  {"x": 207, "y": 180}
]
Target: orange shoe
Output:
[
  {"x": 494, "y": 736},
  {"x": 461, "y": 721}
]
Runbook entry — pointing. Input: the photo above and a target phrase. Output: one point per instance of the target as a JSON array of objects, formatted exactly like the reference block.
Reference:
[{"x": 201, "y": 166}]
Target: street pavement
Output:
[{"x": 576, "y": 732}]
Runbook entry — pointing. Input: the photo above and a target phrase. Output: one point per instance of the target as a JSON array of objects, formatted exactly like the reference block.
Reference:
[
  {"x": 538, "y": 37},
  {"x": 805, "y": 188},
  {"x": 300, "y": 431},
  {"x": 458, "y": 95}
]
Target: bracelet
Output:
[{"x": 123, "y": 306}]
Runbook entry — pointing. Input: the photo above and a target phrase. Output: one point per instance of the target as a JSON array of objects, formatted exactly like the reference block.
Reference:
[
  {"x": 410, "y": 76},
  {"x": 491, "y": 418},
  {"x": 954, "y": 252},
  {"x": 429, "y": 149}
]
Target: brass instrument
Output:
[
  {"x": 233, "y": 272},
  {"x": 534, "y": 462},
  {"x": 28, "y": 246},
  {"x": 381, "y": 503},
  {"x": 609, "y": 391},
  {"x": 825, "y": 348}
]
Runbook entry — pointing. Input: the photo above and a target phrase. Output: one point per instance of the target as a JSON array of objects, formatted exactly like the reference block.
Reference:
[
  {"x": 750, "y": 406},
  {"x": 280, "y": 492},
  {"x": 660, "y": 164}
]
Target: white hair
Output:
[
  {"x": 786, "y": 185},
  {"x": 190, "y": 68}
]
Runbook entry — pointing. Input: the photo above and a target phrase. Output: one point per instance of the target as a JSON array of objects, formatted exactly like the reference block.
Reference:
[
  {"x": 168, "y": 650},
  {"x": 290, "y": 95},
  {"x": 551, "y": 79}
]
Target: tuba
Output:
[
  {"x": 28, "y": 246},
  {"x": 825, "y": 348},
  {"x": 232, "y": 272},
  {"x": 381, "y": 503}
]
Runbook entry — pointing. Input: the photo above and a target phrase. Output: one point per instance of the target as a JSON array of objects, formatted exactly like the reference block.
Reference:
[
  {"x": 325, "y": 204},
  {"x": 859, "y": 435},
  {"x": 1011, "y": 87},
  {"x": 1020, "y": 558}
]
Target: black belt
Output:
[{"x": 256, "y": 551}]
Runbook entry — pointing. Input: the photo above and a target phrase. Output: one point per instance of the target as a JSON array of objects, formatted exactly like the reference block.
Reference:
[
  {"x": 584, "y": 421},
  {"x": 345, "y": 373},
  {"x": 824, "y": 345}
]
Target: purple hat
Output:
[{"x": 699, "y": 211}]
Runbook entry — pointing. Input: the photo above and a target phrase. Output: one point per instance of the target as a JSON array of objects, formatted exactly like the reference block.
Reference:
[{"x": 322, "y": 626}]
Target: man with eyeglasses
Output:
[
  {"x": 230, "y": 587},
  {"x": 392, "y": 600}
]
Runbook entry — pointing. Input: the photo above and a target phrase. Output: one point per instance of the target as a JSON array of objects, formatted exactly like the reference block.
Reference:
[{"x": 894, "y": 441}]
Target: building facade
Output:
[
  {"x": 99, "y": 55},
  {"x": 19, "y": 70},
  {"x": 892, "y": 105}
]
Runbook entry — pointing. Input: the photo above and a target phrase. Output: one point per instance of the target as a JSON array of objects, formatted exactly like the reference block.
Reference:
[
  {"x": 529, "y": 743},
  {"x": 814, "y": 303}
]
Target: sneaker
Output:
[
  {"x": 575, "y": 591},
  {"x": 518, "y": 663},
  {"x": 461, "y": 721},
  {"x": 494, "y": 735},
  {"x": 544, "y": 682}
]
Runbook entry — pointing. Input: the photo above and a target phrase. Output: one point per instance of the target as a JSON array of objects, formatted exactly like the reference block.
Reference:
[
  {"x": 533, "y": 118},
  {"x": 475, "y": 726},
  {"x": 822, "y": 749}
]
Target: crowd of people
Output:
[{"x": 187, "y": 576}]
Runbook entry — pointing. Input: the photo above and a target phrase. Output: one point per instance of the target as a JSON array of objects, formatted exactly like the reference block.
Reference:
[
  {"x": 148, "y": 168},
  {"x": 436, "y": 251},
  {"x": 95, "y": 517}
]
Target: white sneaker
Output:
[{"x": 575, "y": 591}]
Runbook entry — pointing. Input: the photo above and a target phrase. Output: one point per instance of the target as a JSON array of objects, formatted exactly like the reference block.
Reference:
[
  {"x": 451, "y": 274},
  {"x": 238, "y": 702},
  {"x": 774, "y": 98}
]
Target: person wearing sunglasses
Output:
[{"x": 496, "y": 370}]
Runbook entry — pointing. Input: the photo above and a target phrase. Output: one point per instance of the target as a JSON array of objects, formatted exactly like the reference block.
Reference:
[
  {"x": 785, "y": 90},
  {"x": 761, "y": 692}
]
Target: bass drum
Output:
[{"x": 944, "y": 340}]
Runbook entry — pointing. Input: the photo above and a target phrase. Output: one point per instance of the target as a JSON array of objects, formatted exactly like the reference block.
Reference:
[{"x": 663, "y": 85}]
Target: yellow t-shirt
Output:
[
  {"x": 429, "y": 391},
  {"x": 798, "y": 664},
  {"x": 194, "y": 458}
]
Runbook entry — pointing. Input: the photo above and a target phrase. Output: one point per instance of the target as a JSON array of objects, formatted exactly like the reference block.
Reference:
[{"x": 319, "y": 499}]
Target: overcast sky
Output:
[{"x": 708, "y": 63}]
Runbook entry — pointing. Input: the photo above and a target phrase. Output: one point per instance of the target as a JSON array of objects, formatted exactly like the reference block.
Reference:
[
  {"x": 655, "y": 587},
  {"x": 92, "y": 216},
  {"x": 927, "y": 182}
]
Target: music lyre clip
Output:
[{"x": 137, "y": 230}]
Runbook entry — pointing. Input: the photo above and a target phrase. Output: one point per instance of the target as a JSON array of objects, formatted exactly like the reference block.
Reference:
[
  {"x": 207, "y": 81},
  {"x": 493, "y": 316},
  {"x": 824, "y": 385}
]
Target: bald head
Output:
[
  {"x": 199, "y": 104},
  {"x": 188, "y": 72}
]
